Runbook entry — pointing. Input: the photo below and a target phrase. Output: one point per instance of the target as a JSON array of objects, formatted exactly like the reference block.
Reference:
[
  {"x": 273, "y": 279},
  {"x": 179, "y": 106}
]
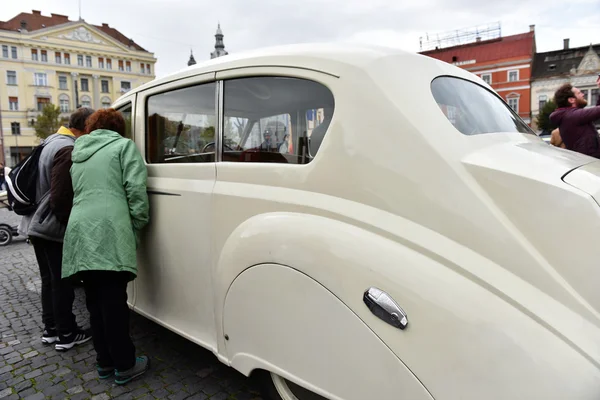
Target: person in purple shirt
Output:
[{"x": 575, "y": 122}]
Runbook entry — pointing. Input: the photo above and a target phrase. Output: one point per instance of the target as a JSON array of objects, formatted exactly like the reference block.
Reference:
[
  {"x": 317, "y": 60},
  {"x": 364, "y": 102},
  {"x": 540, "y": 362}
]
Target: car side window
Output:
[
  {"x": 180, "y": 125},
  {"x": 126, "y": 112},
  {"x": 274, "y": 119}
]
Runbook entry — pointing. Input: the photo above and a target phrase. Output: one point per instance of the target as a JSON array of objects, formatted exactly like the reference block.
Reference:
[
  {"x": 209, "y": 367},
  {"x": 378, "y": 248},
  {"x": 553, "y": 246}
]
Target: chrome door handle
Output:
[{"x": 385, "y": 308}]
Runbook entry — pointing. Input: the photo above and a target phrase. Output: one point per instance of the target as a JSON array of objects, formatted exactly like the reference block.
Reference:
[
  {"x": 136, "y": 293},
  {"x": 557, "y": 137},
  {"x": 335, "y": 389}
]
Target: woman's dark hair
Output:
[
  {"x": 563, "y": 94},
  {"x": 109, "y": 118},
  {"x": 78, "y": 118}
]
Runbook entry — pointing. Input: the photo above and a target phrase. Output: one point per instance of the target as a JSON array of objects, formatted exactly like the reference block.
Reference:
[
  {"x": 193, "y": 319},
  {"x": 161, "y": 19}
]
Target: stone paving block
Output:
[
  {"x": 5, "y": 393},
  {"x": 37, "y": 396},
  {"x": 33, "y": 374}
]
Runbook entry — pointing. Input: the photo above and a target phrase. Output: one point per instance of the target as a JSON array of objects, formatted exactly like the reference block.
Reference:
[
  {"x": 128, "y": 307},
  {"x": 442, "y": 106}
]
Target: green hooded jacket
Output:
[{"x": 110, "y": 206}]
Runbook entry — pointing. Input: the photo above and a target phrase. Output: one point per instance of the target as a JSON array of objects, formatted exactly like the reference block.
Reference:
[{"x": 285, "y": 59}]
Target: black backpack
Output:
[{"x": 22, "y": 183}]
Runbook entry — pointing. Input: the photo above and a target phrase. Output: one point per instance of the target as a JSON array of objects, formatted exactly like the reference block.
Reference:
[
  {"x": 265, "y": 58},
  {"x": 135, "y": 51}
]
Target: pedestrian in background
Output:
[
  {"x": 110, "y": 207},
  {"x": 575, "y": 122},
  {"x": 46, "y": 232}
]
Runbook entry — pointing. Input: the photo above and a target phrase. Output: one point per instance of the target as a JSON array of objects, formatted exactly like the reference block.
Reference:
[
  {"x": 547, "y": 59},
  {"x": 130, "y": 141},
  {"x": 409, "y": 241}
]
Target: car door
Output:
[{"x": 173, "y": 286}]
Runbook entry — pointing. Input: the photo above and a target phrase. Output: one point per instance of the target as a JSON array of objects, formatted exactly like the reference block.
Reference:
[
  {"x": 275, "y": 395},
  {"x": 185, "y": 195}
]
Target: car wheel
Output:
[
  {"x": 5, "y": 236},
  {"x": 274, "y": 387}
]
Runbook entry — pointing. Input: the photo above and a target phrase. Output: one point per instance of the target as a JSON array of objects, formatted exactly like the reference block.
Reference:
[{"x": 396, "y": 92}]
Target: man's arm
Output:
[
  {"x": 61, "y": 188},
  {"x": 584, "y": 116}
]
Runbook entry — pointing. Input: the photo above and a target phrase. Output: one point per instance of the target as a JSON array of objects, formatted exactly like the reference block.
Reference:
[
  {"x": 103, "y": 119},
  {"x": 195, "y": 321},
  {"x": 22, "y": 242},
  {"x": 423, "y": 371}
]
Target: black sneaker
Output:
[
  {"x": 66, "y": 342},
  {"x": 49, "y": 336}
]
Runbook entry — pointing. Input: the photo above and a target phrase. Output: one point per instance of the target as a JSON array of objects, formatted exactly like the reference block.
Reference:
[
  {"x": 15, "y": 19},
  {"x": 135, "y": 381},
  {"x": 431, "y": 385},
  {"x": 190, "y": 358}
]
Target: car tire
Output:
[
  {"x": 5, "y": 236},
  {"x": 274, "y": 387}
]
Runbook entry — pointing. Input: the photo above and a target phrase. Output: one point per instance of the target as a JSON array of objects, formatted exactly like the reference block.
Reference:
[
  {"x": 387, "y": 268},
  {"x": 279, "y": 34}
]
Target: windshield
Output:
[{"x": 474, "y": 110}]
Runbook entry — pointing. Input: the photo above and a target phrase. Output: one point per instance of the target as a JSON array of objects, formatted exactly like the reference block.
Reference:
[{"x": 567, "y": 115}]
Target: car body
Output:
[{"x": 420, "y": 184}]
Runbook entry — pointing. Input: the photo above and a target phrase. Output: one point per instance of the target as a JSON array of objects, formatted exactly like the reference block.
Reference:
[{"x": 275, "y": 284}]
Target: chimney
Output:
[
  {"x": 23, "y": 25},
  {"x": 565, "y": 44},
  {"x": 478, "y": 39},
  {"x": 531, "y": 28},
  {"x": 104, "y": 25},
  {"x": 36, "y": 12}
]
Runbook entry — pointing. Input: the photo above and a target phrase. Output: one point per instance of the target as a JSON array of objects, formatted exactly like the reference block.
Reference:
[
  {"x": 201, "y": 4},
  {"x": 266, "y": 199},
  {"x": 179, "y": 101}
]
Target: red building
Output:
[{"x": 505, "y": 63}]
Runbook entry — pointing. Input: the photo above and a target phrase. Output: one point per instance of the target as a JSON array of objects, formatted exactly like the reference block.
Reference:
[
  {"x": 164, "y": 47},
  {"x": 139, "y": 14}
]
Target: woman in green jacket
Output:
[{"x": 110, "y": 207}]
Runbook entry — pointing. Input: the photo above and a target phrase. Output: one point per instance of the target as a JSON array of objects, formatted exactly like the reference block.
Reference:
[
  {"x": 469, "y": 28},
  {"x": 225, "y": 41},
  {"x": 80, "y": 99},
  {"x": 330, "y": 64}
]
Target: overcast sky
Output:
[{"x": 170, "y": 28}]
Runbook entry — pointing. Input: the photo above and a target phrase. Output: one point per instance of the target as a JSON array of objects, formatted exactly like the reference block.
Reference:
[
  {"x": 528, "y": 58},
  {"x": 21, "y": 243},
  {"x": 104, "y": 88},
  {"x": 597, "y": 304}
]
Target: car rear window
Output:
[{"x": 474, "y": 110}]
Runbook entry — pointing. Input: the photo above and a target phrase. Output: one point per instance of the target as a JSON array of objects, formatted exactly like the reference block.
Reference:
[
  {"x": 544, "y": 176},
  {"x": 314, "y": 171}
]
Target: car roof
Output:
[{"x": 332, "y": 59}]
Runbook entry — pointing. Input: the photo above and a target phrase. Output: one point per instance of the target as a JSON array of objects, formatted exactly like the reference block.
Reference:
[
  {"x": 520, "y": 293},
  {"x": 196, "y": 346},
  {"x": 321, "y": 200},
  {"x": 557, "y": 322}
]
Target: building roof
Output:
[
  {"x": 521, "y": 45},
  {"x": 36, "y": 21},
  {"x": 559, "y": 62}
]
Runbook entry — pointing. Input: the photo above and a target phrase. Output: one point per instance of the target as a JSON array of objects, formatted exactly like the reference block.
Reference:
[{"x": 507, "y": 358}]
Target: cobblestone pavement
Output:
[{"x": 33, "y": 371}]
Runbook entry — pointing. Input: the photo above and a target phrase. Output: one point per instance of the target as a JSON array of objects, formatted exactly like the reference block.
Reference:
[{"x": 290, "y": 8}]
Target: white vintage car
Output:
[{"x": 348, "y": 222}]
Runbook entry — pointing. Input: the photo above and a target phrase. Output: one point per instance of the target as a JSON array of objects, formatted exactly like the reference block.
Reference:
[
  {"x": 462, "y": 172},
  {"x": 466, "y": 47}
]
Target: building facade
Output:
[
  {"x": 578, "y": 66},
  {"x": 219, "y": 45},
  {"x": 505, "y": 63},
  {"x": 50, "y": 59}
]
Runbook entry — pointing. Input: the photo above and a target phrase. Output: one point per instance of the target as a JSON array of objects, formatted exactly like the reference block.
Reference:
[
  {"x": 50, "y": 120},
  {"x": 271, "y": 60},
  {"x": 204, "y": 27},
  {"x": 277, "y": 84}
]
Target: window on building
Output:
[
  {"x": 513, "y": 102},
  {"x": 4, "y": 51},
  {"x": 108, "y": 63},
  {"x": 100, "y": 62},
  {"x": 63, "y": 102},
  {"x": 13, "y": 103},
  {"x": 42, "y": 102},
  {"x": 594, "y": 98},
  {"x": 67, "y": 59},
  {"x": 80, "y": 60},
  {"x": 44, "y": 56},
  {"x": 542, "y": 100},
  {"x": 34, "y": 55},
  {"x": 88, "y": 61},
  {"x": 487, "y": 78},
  {"x": 106, "y": 102},
  {"x": 513, "y": 76},
  {"x": 181, "y": 125},
  {"x": 142, "y": 68},
  {"x": 148, "y": 69},
  {"x": 287, "y": 128},
  {"x": 40, "y": 79},
  {"x": 104, "y": 86},
  {"x": 11, "y": 77},
  {"x": 128, "y": 66},
  {"x": 58, "y": 57},
  {"x": 586, "y": 93},
  {"x": 121, "y": 65},
  {"x": 86, "y": 101},
  {"x": 125, "y": 86},
  {"x": 62, "y": 82},
  {"x": 85, "y": 87},
  {"x": 15, "y": 128},
  {"x": 13, "y": 52}
]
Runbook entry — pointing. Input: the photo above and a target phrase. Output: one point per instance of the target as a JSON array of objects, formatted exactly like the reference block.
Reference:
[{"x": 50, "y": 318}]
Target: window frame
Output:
[
  {"x": 88, "y": 62},
  {"x": 508, "y": 75},
  {"x": 15, "y": 128},
  {"x": 13, "y": 105},
  {"x": 58, "y": 57},
  {"x": 185, "y": 84},
  {"x": 489, "y": 75},
  {"x": 80, "y": 60},
  {"x": 515, "y": 98},
  {"x": 37, "y": 75},
  {"x": 44, "y": 56},
  {"x": 66, "y": 80},
  {"x": 87, "y": 84},
  {"x": 5, "y": 52},
  {"x": 102, "y": 81},
  {"x": 9, "y": 77},
  {"x": 14, "y": 54}
]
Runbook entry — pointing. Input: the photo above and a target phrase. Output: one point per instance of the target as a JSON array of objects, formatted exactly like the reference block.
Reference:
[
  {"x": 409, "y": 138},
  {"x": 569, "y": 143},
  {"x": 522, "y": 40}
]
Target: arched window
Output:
[
  {"x": 63, "y": 101},
  {"x": 106, "y": 102},
  {"x": 86, "y": 101}
]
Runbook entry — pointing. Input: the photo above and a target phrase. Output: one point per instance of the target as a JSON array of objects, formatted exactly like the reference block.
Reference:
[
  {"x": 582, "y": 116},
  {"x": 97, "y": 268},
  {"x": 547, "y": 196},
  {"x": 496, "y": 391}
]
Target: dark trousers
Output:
[
  {"x": 57, "y": 293},
  {"x": 106, "y": 299}
]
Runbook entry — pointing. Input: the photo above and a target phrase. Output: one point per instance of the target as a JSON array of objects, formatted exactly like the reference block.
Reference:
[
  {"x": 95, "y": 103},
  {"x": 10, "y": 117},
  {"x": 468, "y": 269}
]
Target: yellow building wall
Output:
[{"x": 73, "y": 38}]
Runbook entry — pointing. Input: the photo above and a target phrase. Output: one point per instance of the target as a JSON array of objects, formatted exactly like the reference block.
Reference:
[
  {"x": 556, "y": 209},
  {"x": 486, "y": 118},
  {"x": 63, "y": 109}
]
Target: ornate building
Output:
[
  {"x": 580, "y": 66},
  {"x": 50, "y": 59},
  {"x": 219, "y": 46},
  {"x": 192, "y": 60}
]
